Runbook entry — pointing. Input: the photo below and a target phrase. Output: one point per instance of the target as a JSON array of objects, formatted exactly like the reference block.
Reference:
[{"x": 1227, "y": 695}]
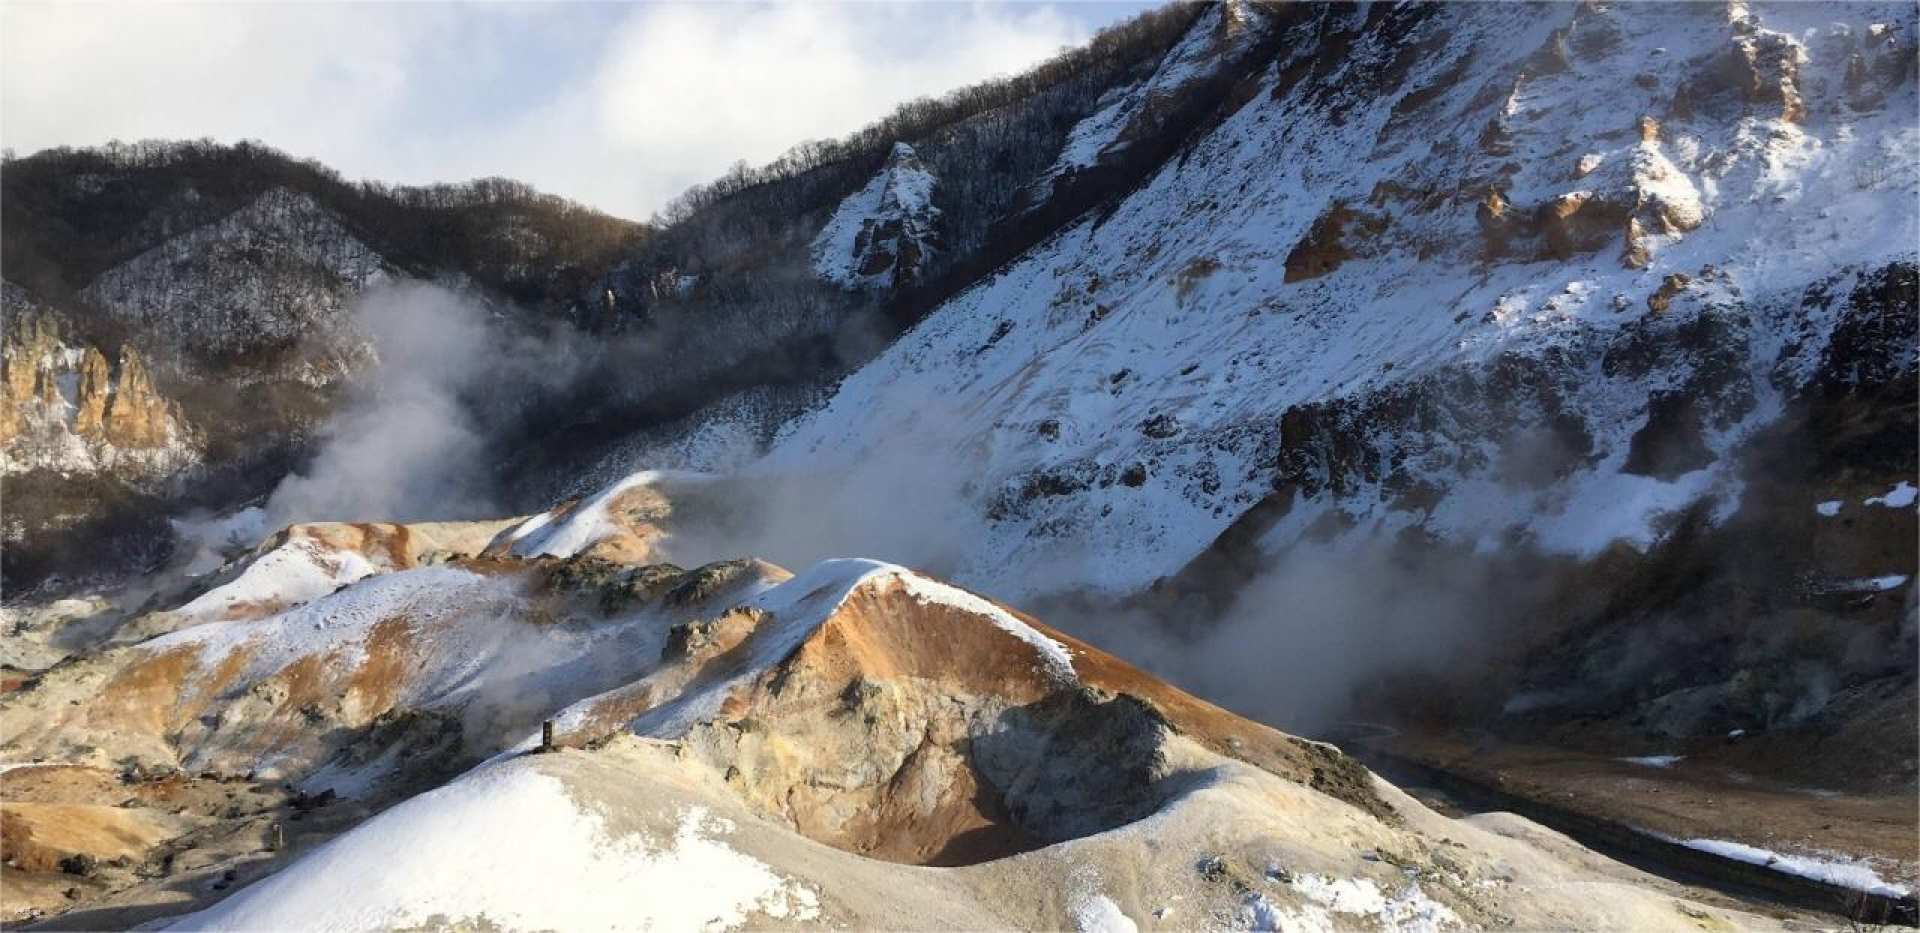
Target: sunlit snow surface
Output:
[
  {"x": 1655, "y": 761},
  {"x": 589, "y": 522},
  {"x": 1837, "y": 870},
  {"x": 1406, "y": 909},
  {"x": 295, "y": 572},
  {"x": 507, "y": 845},
  {"x": 1099, "y": 914}
]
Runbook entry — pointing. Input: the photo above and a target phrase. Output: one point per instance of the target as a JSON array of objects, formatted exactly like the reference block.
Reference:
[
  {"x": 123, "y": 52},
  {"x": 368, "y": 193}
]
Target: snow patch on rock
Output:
[
  {"x": 881, "y": 235},
  {"x": 1655, "y": 761},
  {"x": 1099, "y": 914}
]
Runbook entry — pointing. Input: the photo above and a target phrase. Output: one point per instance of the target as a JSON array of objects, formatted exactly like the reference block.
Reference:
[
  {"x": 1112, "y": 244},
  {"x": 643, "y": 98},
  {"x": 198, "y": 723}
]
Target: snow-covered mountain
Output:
[
  {"x": 1551, "y": 342},
  {"x": 1535, "y": 383},
  {"x": 1548, "y": 319}
]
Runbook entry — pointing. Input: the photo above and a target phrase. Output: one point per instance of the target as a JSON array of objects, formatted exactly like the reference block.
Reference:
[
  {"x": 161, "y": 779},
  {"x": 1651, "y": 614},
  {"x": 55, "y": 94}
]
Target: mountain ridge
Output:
[{"x": 1521, "y": 395}]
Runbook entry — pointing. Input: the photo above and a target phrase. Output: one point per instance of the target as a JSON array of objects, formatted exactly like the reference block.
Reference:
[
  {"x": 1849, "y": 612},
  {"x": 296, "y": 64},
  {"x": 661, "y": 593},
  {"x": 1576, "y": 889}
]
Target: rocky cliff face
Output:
[
  {"x": 65, "y": 408},
  {"x": 881, "y": 236}
]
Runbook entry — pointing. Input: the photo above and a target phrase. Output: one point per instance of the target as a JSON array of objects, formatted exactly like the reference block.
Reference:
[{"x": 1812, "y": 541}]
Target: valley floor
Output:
[{"x": 1695, "y": 817}]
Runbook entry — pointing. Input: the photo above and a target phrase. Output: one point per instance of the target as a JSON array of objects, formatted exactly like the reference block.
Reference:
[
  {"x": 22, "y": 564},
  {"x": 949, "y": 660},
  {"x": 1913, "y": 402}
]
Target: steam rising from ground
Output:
[
  {"x": 405, "y": 446},
  {"x": 469, "y": 412},
  {"x": 1323, "y": 630},
  {"x": 1365, "y": 618},
  {"x": 416, "y": 439},
  {"x": 907, "y": 505},
  {"x": 1298, "y": 645},
  {"x": 1368, "y": 623}
]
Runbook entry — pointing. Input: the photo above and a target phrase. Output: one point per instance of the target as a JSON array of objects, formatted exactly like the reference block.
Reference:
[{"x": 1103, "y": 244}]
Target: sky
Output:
[{"x": 620, "y": 106}]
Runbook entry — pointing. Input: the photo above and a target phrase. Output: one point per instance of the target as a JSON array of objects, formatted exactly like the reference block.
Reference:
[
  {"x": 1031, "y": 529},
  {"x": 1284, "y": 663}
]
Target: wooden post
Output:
[
  {"x": 546, "y": 736},
  {"x": 277, "y": 838}
]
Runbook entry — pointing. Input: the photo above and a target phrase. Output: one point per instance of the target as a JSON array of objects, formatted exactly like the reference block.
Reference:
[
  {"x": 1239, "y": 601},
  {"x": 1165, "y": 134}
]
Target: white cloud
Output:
[
  {"x": 618, "y": 106},
  {"x": 687, "y": 83}
]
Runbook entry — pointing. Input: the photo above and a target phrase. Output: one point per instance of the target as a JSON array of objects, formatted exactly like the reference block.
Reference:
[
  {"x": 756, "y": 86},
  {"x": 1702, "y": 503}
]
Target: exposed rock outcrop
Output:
[
  {"x": 64, "y": 407},
  {"x": 1335, "y": 236},
  {"x": 1636, "y": 197},
  {"x": 1766, "y": 66},
  {"x": 137, "y": 416},
  {"x": 881, "y": 235},
  {"x": 95, "y": 391},
  {"x": 29, "y": 345}
]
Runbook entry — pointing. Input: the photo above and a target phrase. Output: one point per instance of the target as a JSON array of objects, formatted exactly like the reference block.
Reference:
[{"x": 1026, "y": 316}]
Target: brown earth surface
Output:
[{"x": 1705, "y": 795}]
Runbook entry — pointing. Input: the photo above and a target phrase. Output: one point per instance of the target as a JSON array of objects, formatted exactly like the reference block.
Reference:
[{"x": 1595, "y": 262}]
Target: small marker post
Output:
[
  {"x": 277, "y": 838},
  {"x": 546, "y": 736}
]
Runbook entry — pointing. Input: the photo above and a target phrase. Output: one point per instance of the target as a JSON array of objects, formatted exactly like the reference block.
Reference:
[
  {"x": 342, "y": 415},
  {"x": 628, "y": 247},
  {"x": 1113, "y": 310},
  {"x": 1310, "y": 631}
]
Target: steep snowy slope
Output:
[
  {"x": 1214, "y": 44},
  {"x": 1610, "y": 302},
  {"x": 1480, "y": 269}
]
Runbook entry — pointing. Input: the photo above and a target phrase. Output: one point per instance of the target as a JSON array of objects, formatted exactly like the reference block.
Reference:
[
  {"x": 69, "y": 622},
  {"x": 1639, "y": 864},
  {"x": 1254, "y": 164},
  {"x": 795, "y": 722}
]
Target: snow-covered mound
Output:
[
  {"x": 621, "y": 522},
  {"x": 735, "y": 746},
  {"x": 881, "y": 235},
  {"x": 567, "y": 868},
  {"x": 306, "y": 561},
  {"x": 628, "y": 837},
  {"x": 447, "y": 660},
  {"x": 1494, "y": 272},
  {"x": 906, "y": 724}
]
